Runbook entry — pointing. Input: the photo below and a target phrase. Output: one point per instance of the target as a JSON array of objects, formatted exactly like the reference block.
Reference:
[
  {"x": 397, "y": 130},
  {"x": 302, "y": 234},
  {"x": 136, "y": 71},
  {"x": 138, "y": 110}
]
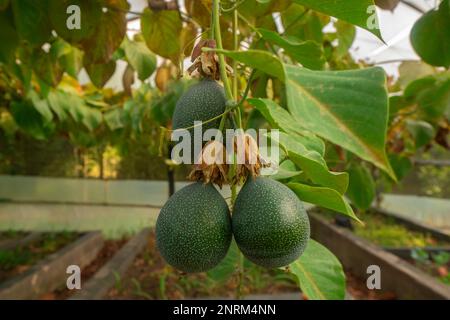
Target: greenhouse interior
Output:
[{"x": 202, "y": 150}]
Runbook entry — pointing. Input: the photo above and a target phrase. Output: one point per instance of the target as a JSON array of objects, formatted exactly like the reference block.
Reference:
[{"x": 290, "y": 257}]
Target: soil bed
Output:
[
  {"x": 9, "y": 235},
  {"x": 387, "y": 244},
  {"x": 150, "y": 277},
  {"x": 106, "y": 253},
  {"x": 386, "y": 232},
  {"x": 14, "y": 262},
  {"x": 358, "y": 289},
  {"x": 436, "y": 265}
]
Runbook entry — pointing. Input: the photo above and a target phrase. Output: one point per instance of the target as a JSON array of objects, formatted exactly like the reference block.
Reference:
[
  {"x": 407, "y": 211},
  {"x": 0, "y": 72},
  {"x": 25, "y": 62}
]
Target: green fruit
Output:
[
  {"x": 203, "y": 101},
  {"x": 193, "y": 230},
  {"x": 270, "y": 224}
]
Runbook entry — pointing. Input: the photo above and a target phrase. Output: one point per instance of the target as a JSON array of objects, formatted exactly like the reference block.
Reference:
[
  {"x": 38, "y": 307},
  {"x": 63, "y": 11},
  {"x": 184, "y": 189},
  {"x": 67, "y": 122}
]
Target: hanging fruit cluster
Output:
[{"x": 195, "y": 228}]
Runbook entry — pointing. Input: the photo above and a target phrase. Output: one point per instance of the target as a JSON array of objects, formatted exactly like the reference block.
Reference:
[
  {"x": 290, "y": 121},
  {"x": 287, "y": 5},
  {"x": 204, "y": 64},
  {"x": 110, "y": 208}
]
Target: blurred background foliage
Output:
[{"x": 54, "y": 124}]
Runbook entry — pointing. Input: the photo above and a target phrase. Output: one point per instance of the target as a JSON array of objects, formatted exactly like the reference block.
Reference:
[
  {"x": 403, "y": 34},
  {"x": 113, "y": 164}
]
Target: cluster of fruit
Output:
[{"x": 195, "y": 228}]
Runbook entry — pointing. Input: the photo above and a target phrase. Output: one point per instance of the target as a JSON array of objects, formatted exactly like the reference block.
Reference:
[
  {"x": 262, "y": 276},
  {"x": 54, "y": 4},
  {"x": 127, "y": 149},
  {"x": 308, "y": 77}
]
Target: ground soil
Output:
[
  {"x": 386, "y": 232},
  {"x": 358, "y": 290},
  {"x": 151, "y": 278},
  {"x": 440, "y": 272},
  {"x": 106, "y": 253},
  {"x": 15, "y": 262},
  {"x": 8, "y": 235}
]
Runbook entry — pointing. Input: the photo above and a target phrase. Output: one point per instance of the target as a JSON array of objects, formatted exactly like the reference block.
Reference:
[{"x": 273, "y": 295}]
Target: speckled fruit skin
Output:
[
  {"x": 193, "y": 230},
  {"x": 203, "y": 101},
  {"x": 270, "y": 224}
]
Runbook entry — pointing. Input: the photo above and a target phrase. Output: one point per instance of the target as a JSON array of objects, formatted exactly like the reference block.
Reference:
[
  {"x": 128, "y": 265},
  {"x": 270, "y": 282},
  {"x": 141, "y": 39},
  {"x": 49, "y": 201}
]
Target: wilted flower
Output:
[
  {"x": 205, "y": 64},
  {"x": 211, "y": 165},
  {"x": 248, "y": 158}
]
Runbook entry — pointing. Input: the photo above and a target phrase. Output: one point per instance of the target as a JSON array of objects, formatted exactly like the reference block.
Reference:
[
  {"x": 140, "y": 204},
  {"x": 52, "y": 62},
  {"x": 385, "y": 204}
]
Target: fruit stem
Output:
[
  {"x": 204, "y": 122},
  {"x": 239, "y": 124}
]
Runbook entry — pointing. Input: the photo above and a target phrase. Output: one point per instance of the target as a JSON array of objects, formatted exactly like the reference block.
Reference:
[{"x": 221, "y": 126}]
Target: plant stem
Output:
[
  {"x": 222, "y": 64},
  {"x": 230, "y": 96},
  {"x": 235, "y": 73},
  {"x": 235, "y": 47},
  {"x": 212, "y": 29},
  {"x": 239, "y": 124},
  {"x": 240, "y": 275}
]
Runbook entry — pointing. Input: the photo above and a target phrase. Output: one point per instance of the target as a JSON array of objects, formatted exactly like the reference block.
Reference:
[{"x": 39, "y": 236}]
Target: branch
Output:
[
  {"x": 158, "y": 5},
  {"x": 413, "y": 6},
  {"x": 394, "y": 61}
]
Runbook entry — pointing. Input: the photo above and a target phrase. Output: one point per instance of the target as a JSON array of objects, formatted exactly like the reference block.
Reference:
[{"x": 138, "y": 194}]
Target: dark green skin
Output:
[
  {"x": 270, "y": 224},
  {"x": 203, "y": 101},
  {"x": 193, "y": 230}
]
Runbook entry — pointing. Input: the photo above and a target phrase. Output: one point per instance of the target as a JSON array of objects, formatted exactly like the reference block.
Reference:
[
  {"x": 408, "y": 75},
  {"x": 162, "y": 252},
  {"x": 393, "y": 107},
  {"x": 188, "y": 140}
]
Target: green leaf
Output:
[
  {"x": 432, "y": 94},
  {"x": 29, "y": 119},
  {"x": 312, "y": 163},
  {"x": 31, "y": 20},
  {"x": 101, "y": 73},
  {"x": 199, "y": 12},
  {"x": 324, "y": 197},
  {"x": 358, "y": 12},
  {"x": 108, "y": 34},
  {"x": 275, "y": 115},
  {"x": 140, "y": 57},
  {"x": 422, "y": 131},
  {"x": 161, "y": 31},
  {"x": 225, "y": 269},
  {"x": 401, "y": 165},
  {"x": 92, "y": 118},
  {"x": 90, "y": 13},
  {"x": 286, "y": 170},
  {"x": 301, "y": 22},
  {"x": 308, "y": 53},
  {"x": 114, "y": 119},
  {"x": 397, "y": 103},
  {"x": 258, "y": 59},
  {"x": 133, "y": 112},
  {"x": 280, "y": 118},
  {"x": 253, "y": 10},
  {"x": 9, "y": 38},
  {"x": 320, "y": 274},
  {"x": 346, "y": 34},
  {"x": 41, "y": 106},
  {"x": 46, "y": 68},
  {"x": 59, "y": 48},
  {"x": 56, "y": 101},
  {"x": 430, "y": 36},
  {"x": 348, "y": 108},
  {"x": 361, "y": 189},
  {"x": 69, "y": 57},
  {"x": 63, "y": 103},
  {"x": 413, "y": 70}
]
